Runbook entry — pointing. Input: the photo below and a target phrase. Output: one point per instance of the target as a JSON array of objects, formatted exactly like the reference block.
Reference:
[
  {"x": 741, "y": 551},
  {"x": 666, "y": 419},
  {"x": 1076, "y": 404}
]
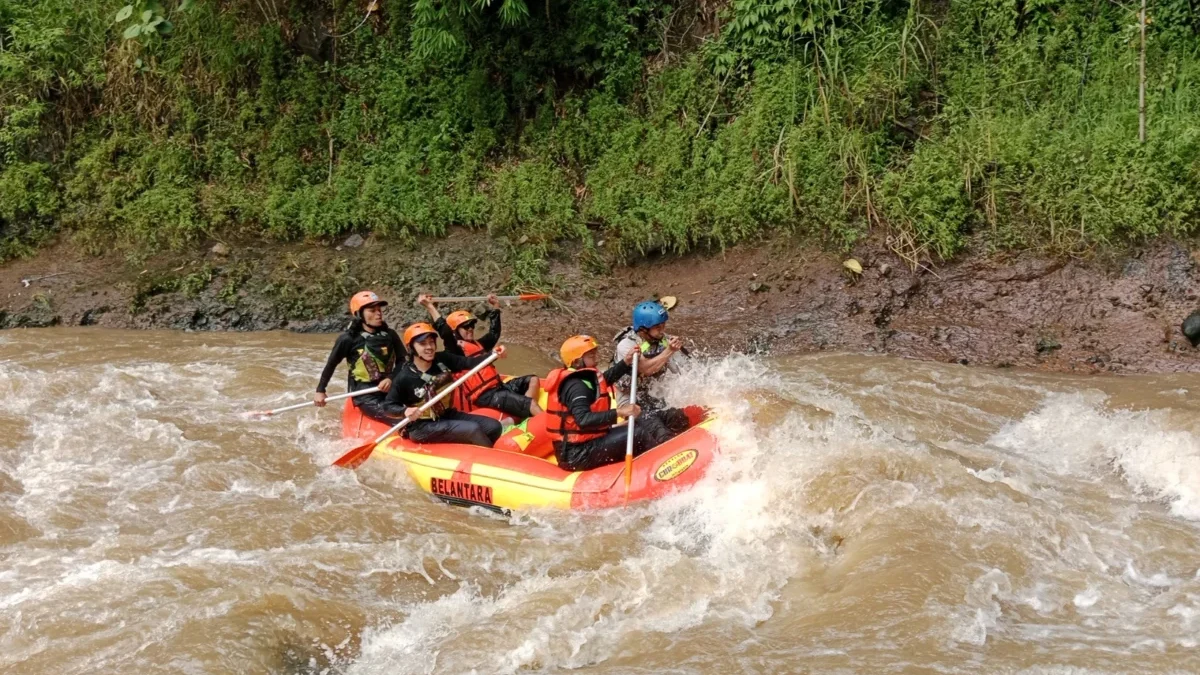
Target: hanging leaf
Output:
[
  {"x": 133, "y": 31},
  {"x": 124, "y": 13},
  {"x": 155, "y": 21},
  {"x": 147, "y": 15},
  {"x": 853, "y": 265}
]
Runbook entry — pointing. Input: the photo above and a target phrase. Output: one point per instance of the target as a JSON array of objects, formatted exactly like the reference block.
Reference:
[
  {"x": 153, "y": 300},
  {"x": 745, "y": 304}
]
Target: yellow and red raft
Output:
[{"x": 521, "y": 472}]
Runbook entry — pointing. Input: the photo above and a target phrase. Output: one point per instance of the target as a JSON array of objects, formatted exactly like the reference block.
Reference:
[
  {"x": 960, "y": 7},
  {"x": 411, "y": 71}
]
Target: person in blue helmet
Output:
[{"x": 647, "y": 333}]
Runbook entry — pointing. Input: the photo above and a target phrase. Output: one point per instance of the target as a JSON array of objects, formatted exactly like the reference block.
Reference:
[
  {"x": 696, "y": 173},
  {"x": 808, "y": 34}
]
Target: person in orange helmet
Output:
[
  {"x": 421, "y": 377},
  {"x": 371, "y": 349},
  {"x": 517, "y": 397},
  {"x": 580, "y": 417}
]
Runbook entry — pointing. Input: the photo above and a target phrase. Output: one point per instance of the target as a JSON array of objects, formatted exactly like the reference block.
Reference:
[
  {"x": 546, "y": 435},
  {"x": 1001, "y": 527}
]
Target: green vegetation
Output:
[
  {"x": 647, "y": 125},
  {"x": 190, "y": 285}
]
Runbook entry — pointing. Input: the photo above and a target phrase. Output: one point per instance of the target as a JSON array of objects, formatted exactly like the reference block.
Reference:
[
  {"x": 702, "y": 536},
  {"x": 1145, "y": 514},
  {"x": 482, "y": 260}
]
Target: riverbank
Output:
[{"x": 1023, "y": 310}]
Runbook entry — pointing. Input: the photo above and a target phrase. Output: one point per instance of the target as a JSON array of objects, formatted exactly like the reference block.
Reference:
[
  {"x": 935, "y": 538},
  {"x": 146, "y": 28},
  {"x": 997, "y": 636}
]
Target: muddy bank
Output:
[{"x": 1026, "y": 310}]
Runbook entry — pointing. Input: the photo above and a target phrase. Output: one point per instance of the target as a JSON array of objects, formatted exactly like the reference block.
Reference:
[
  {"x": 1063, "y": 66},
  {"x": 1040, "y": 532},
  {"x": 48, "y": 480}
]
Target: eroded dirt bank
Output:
[{"x": 1022, "y": 310}]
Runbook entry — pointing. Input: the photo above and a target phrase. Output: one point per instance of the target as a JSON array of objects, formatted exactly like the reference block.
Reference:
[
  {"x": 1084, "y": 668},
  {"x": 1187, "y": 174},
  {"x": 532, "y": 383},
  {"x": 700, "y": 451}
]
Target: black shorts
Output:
[
  {"x": 506, "y": 401},
  {"x": 377, "y": 408},
  {"x": 651, "y": 430},
  {"x": 455, "y": 427},
  {"x": 518, "y": 385}
]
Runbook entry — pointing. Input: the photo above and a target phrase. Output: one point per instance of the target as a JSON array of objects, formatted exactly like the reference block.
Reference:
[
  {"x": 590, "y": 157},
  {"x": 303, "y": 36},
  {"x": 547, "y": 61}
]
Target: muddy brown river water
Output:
[{"x": 868, "y": 515}]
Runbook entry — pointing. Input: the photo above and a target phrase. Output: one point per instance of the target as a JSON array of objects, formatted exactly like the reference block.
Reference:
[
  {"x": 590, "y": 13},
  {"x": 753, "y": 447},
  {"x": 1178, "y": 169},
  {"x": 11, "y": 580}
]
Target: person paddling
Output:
[
  {"x": 647, "y": 334},
  {"x": 517, "y": 397},
  {"x": 371, "y": 350},
  {"x": 420, "y": 378},
  {"x": 579, "y": 415}
]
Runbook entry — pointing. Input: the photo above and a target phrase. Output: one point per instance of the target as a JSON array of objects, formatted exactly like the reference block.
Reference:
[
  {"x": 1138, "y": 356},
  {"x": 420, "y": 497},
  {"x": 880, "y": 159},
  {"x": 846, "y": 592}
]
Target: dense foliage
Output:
[{"x": 643, "y": 124}]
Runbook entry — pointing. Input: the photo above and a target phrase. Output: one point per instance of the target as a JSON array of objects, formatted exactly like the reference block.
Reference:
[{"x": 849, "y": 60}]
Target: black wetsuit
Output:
[
  {"x": 649, "y": 431},
  {"x": 443, "y": 424},
  {"x": 348, "y": 348},
  {"x": 508, "y": 397}
]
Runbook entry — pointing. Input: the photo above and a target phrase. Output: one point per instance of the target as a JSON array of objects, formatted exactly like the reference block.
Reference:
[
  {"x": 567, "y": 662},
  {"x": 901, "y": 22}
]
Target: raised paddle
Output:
[
  {"x": 481, "y": 298},
  {"x": 357, "y": 456},
  {"x": 629, "y": 440},
  {"x": 268, "y": 413}
]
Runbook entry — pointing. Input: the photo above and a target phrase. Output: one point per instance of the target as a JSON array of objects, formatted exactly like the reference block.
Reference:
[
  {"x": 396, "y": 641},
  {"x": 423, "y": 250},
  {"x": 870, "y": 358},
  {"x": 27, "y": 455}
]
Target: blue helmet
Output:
[{"x": 648, "y": 314}]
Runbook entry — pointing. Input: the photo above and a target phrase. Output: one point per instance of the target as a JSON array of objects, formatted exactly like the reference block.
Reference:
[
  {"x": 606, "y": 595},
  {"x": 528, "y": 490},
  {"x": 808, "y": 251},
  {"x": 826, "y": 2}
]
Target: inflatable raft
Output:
[{"x": 521, "y": 472}]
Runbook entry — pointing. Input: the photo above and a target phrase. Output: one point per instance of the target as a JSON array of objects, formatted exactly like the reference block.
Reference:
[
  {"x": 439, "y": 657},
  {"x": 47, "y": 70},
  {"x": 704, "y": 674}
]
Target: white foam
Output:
[
  {"x": 996, "y": 475},
  {"x": 1075, "y": 434},
  {"x": 1087, "y": 598},
  {"x": 719, "y": 552},
  {"x": 812, "y": 502},
  {"x": 982, "y": 611},
  {"x": 1156, "y": 580}
]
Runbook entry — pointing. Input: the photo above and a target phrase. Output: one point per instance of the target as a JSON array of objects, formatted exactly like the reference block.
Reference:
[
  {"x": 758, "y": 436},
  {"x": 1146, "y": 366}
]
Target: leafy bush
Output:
[
  {"x": 532, "y": 201},
  {"x": 655, "y": 125}
]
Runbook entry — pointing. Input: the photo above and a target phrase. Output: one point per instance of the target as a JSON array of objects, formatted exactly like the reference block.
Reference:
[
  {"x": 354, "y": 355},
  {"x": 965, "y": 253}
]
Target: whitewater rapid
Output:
[{"x": 867, "y": 515}]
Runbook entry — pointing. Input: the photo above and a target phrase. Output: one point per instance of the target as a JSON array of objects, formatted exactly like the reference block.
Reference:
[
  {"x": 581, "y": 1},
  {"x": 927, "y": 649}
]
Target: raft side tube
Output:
[{"x": 500, "y": 479}]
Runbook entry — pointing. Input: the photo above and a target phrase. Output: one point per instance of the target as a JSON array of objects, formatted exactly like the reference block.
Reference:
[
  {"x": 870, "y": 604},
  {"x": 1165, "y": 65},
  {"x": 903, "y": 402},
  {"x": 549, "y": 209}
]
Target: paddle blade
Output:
[
  {"x": 257, "y": 414},
  {"x": 696, "y": 414},
  {"x": 628, "y": 474},
  {"x": 355, "y": 458},
  {"x": 533, "y": 296}
]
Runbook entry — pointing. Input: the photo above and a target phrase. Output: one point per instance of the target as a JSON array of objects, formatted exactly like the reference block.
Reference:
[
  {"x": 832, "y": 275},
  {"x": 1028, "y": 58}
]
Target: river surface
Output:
[{"x": 869, "y": 515}]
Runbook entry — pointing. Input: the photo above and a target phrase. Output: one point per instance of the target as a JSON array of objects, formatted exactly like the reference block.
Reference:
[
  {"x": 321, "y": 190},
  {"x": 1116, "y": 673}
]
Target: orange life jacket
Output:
[
  {"x": 560, "y": 423},
  {"x": 469, "y": 392}
]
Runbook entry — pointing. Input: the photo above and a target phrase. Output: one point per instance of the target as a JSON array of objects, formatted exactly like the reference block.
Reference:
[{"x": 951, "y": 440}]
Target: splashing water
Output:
[{"x": 867, "y": 515}]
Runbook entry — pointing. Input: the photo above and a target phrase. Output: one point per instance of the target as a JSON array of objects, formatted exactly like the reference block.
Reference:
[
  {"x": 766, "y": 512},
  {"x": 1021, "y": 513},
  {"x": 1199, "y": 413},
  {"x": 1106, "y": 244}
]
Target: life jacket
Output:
[
  {"x": 469, "y": 392},
  {"x": 437, "y": 378},
  {"x": 375, "y": 359},
  {"x": 560, "y": 423},
  {"x": 649, "y": 349}
]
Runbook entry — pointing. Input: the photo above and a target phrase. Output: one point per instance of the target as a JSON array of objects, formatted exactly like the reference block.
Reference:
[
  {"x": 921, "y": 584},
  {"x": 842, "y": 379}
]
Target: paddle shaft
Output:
[
  {"x": 629, "y": 439},
  {"x": 366, "y": 450},
  {"x": 481, "y": 298},
  {"x": 349, "y": 394}
]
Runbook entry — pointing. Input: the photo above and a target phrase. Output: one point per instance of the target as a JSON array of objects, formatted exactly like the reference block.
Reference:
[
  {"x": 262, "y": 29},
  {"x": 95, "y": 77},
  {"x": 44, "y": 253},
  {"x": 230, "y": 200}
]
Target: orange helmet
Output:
[
  {"x": 415, "y": 331},
  {"x": 458, "y": 318},
  {"x": 364, "y": 299},
  {"x": 575, "y": 347}
]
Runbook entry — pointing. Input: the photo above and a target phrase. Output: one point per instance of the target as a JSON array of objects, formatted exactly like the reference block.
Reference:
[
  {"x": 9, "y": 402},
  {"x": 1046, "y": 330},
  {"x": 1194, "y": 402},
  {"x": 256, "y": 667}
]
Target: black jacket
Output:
[
  {"x": 347, "y": 348},
  {"x": 411, "y": 387}
]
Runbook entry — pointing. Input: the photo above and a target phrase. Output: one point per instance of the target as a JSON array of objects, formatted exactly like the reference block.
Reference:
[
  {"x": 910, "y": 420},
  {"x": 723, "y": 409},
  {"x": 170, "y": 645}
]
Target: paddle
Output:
[
  {"x": 268, "y": 413},
  {"x": 481, "y": 298},
  {"x": 629, "y": 440},
  {"x": 357, "y": 456}
]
